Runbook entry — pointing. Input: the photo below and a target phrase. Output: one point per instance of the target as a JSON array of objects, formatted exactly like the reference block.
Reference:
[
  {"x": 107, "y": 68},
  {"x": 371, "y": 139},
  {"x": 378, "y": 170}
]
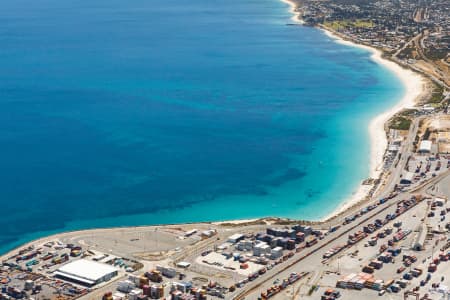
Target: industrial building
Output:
[
  {"x": 407, "y": 178},
  {"x": 235, "y": 238},
  {"x": 183, "y": 264},
  {"x": 425, "y": 146},
  {"x": 86, "y": 272}
]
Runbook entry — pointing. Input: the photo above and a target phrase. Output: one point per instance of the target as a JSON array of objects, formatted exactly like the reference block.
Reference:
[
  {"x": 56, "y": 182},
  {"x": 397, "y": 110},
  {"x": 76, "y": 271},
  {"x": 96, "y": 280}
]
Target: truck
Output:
[
  {"x": 407, "y": 276},
  {"x": 373, "y": 241},
  {"x": 432, "y": 268},
  {"x": 166, "y": 271},
  {"x": 416, "y": 272},
  {"x": 154, "y": 276},
  {"x": 376, "y": 264},
  {"x": 402, "y": 283},
  {"x": 294, "y": 277},
  {"x": 395, "y": 288}
]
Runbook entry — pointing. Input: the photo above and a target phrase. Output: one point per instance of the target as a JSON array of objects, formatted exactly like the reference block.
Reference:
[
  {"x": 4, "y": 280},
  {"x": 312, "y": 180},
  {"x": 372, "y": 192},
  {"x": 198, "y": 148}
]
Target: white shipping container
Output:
[
  {"x": 133, "y": 295},
  {"x": 118, "y": 296},
  {"x": 134, "y": 278},
  {"x": 168, "y": 272},
  {"x": 125, "y": 286}
]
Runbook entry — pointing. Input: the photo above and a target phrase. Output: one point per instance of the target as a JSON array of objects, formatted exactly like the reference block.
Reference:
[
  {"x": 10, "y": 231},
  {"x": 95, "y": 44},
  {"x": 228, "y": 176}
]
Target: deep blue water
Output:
[{"x": 139, "y": 112}]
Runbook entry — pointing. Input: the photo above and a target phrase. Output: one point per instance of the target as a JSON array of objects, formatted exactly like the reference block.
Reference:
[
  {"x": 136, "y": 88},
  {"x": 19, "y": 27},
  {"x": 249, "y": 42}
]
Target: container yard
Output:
[{"x": 394, "y": 265}]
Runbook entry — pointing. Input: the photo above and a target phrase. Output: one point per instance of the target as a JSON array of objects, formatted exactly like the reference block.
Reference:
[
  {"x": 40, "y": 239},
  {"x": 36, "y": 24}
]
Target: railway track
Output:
[{"x": 377, "y": 212}]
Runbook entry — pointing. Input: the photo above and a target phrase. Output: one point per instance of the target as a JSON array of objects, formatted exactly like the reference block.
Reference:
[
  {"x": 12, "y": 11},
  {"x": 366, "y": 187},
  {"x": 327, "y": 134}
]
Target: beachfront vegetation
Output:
[
  {"x": 400, "y": 122},
  {"x": 358, "y": 23},
  {"x": 438, "y": 94},
  {"x": 408, "y": 52},
  {"x": 403, "y": 119}
]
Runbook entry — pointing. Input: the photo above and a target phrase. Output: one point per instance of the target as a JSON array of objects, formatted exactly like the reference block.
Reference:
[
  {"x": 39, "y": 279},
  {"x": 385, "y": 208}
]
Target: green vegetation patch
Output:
[
  {"x": 400, "y": 122},
  {"x": 438, "y": 94},
  {"x": 312, "y": 289},
  {"x": 436, "y": 54},
  {"x": 358, "y": 23},
  {"x": 406, "y": 53}
]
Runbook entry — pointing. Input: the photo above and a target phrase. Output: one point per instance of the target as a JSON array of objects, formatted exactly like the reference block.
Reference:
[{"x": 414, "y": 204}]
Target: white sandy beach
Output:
[
  {"x": 414, "y": 87},
  {"x": 293, "y": 10}
]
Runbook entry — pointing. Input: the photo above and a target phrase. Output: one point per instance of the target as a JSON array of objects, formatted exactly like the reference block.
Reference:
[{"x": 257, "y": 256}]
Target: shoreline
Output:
[
  {"x": 415, "y": 87},
  {"x": 293, "y": 10}
]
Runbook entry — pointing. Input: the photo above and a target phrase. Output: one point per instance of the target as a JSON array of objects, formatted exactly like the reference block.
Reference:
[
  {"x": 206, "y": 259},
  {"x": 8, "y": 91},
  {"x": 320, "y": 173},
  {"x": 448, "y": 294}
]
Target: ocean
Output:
[{"x": 117, "y": 113}]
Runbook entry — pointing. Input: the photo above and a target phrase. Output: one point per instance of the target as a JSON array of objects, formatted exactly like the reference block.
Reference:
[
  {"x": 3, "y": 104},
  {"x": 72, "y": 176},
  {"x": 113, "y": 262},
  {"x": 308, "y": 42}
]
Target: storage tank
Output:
[{"x": 29, "y": 284}]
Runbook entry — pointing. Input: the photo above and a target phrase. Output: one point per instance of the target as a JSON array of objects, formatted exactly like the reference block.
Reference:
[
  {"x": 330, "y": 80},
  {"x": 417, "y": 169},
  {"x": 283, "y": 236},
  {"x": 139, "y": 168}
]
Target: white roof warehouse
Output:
[
  {"x": 86, "y": 272},
  {"x": 425, "y": 146}
]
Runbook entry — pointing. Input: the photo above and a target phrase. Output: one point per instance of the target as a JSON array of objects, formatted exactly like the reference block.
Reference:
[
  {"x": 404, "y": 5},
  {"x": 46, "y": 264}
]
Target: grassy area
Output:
[
  {"x": 400, "y": 122},
  {"x": 359, "y": 23},
  {"x": 312, "y": 289},
  {"x": 438, "y": 94},
  {"x": 408, "y": 52},
  {"x": 436, "y": 54}
]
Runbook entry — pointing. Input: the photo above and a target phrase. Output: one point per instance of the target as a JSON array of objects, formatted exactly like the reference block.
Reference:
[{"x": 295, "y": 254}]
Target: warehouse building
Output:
[
  {"x": 86, "y": 272},
  {"x": 407, "y": 178},
  {"x": 425, "y": 146},
  {"x": 235, "y": 238}
]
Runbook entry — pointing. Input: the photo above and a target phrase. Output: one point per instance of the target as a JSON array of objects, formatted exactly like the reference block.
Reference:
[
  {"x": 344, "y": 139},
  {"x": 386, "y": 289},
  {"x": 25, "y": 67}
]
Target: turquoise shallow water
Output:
[{"x": 120, "y": 113}]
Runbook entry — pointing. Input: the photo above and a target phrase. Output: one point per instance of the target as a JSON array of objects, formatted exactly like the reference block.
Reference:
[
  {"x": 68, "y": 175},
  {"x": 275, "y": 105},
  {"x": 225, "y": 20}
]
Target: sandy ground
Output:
[
  {"x": 235, "y": 222},
  {"x": 441, "y": 123},
  {"x": 168, "y": 237}
]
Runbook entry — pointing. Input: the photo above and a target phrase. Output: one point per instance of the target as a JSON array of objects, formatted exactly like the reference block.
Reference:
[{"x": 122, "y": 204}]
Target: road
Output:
[
  {"x": 418, "y": 42},
  {"x": 408, "y": 149},
  {"x": 313, "y": 261},
  {"x": 340, "y": 237}
]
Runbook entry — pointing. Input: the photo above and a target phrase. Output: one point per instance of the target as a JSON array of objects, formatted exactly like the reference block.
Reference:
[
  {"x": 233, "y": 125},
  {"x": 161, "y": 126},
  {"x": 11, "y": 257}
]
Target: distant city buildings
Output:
[{"x": 415, "y": 33}]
